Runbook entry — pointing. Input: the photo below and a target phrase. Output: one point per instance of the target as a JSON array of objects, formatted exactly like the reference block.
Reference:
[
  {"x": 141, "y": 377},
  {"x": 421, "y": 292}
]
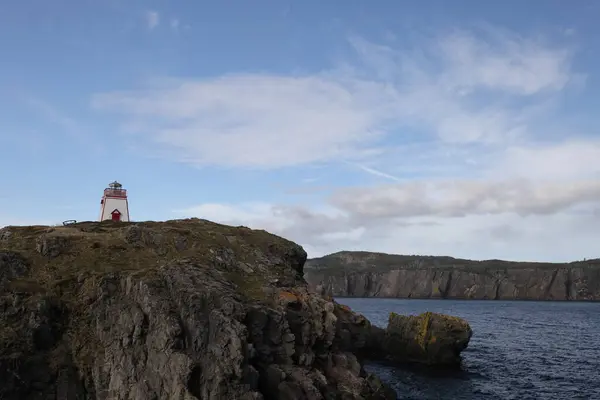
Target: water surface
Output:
[{"x": 519, "y": 350}]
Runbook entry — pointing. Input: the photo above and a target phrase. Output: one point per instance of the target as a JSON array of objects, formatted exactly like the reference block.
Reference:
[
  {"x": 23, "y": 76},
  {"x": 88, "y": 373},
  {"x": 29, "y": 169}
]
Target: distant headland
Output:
[{"x": 366, "y": 274}]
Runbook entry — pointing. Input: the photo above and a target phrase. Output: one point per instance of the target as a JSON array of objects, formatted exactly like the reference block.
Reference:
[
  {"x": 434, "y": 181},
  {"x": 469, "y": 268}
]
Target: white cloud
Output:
[
  {"x": 292, "y": 222},
  {"x": 456, "y": 125},
  {"x": 508, "y": 63},
  {"x": 460, "y": 198},
  {"x": 152, "y": 19},
  {"x": 278, "y": 120},
  {"x": 251, "y": 120},
  {"x": 571, "y": 158},
  {"x": 569, "y": 233},
  {"x": 175, "y": 23}
]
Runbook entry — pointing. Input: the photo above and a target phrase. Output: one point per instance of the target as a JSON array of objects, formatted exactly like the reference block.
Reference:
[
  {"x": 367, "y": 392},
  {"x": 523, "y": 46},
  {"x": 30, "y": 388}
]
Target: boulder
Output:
[{"x": 429, "y": 338}]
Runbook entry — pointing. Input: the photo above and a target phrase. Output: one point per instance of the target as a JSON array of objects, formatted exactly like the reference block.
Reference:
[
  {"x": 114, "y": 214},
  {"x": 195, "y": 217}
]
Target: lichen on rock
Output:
[{"x": 429, "y": 338}]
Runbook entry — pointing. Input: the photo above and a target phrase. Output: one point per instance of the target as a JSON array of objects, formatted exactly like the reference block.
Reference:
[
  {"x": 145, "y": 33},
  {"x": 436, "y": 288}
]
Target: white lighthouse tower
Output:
[{"x": 113, "y": 205}]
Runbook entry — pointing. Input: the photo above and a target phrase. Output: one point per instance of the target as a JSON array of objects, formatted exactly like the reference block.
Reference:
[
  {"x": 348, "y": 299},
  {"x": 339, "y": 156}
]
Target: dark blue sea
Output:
[{"x": 519, "y": 350}]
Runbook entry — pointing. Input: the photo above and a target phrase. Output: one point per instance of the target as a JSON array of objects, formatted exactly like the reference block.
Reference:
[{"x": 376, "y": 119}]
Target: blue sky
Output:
[{"x": 407, "y": 127}]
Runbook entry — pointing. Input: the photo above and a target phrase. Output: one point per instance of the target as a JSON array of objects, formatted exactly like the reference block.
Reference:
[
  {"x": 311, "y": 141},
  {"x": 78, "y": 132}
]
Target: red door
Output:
[{"x": 116, "y": 216}]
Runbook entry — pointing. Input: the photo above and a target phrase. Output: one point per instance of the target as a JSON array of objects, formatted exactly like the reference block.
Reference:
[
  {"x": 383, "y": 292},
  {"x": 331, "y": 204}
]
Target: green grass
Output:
[{"x": 91, "y": 250}]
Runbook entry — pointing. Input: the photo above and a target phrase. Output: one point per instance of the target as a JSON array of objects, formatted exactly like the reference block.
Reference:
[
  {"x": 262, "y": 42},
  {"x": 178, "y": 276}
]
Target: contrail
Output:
[{"x": 374, "y": 171}]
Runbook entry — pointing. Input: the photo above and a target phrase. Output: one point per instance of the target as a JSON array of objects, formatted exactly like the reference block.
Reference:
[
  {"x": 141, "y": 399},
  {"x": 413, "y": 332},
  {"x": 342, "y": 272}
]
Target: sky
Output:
[{"x": 463, "y": 128}]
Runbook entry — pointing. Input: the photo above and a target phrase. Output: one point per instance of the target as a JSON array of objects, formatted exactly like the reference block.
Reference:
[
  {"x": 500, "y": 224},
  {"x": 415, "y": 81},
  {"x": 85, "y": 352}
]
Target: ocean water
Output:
[{"x": 519, "y": 350}]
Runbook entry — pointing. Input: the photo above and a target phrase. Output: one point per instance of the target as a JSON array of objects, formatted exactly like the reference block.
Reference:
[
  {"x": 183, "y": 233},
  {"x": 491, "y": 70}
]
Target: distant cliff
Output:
[{"x": 364, "y": 274}]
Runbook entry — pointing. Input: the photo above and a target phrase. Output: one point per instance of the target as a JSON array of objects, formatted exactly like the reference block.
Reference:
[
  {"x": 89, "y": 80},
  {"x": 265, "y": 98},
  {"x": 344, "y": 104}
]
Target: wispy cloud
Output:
[
  {"x": 53, "y": 115},
  {"x": 70, "y": 125},
  {"x": 275, "y": 120},
  {"x": 457, "y": 122},
  {"x": 506, "y": 62},
  {"x": 254, "y": 120},
  {"x": 152, "y": 19},
  {"x": 174, "y": 24}
]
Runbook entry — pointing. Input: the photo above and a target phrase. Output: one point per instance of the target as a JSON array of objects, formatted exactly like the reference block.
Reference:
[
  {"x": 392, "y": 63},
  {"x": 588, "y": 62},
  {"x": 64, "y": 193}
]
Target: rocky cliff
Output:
[
  {"x": 176, "y": 310},
  {"x": 364, "y": 274}
]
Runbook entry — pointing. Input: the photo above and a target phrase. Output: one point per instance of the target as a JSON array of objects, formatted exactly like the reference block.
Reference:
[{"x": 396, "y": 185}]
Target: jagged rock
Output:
[
  {"x": 430, "y": 338},
  {"x": 133, "y": 235},
  {"x": 105, "y": 311},
  {"x": 51, "y": 245},
  {"x": 180, "y": 243},
  {"x": 30, "y": 327},
  {"x": 12, "y": 266},
  {"x": 377, "y": 390},
  {"x": 354, "y": 332},
  {"x": 5, "y": 234}
]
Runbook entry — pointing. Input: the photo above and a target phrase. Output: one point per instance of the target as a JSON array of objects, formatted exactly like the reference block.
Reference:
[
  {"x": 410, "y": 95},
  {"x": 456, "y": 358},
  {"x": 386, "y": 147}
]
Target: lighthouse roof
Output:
[{"x": 115, "y": 189}]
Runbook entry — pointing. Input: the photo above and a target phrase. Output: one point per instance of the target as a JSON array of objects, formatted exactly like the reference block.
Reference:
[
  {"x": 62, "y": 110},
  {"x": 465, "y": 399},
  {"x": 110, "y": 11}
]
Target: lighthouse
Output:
[{"x": 113, "y": 205}]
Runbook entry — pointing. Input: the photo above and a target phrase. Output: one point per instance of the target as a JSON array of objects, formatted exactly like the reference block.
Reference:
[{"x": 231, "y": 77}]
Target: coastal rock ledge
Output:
[
  {"x": 179, "y": 310},
  {"x": 429, "y": 339}
]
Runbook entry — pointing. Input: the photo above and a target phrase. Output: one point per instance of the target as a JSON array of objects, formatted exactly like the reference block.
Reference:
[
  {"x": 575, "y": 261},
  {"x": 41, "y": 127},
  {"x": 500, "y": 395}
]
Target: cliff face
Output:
[
  {"x": 363, "y": 274},
  {"x": 175, "y": 310}
]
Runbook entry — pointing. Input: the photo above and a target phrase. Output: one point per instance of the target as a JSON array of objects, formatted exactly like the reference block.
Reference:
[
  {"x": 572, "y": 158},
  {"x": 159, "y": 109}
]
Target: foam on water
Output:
[{"x": 519, "y": 350}]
